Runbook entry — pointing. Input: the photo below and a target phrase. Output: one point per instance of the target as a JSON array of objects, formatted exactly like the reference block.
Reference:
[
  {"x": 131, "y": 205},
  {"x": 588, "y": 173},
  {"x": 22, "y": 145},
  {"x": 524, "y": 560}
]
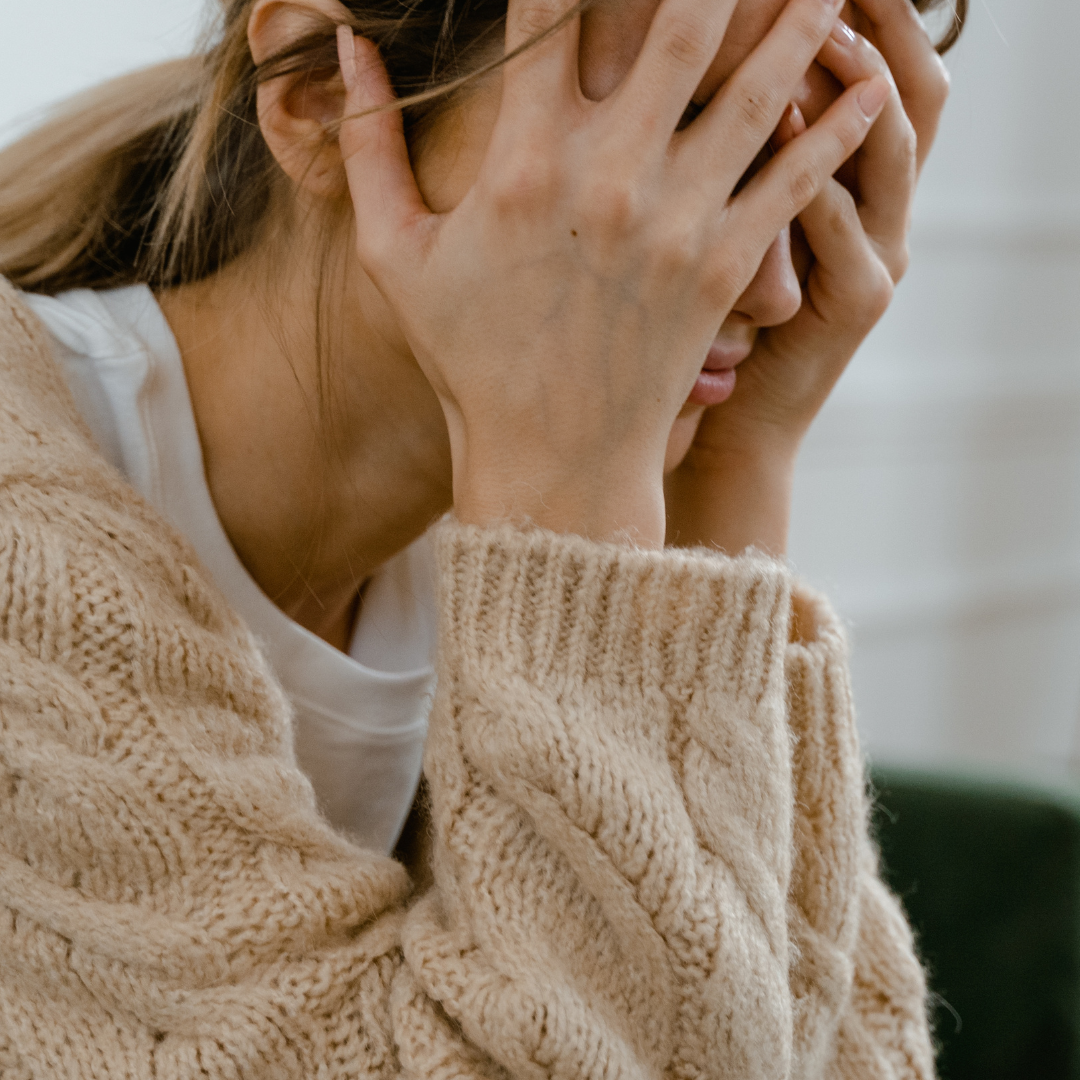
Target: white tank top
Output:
[{"x": 359, "y": 719}]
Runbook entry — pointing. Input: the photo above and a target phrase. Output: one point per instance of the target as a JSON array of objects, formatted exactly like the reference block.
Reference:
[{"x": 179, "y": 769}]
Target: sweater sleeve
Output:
[
  {"x": 613, "y": 795},
  {"x": 609, "y": 765},
  {"x": 859, "y": 993}
]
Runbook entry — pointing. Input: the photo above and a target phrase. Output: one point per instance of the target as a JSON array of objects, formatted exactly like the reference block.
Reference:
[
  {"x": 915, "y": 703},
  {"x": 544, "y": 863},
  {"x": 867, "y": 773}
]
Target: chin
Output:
[{"x": 682, "y": 436}]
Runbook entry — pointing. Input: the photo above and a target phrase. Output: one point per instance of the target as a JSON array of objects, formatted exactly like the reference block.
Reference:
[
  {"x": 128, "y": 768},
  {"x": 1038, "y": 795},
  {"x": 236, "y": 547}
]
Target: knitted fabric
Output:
[{"x": 649, "y": 825}]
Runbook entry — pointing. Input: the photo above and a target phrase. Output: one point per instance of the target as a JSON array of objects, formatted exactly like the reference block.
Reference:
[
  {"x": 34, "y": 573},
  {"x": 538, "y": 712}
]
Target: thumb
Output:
[{"x": 385, "y": 197}]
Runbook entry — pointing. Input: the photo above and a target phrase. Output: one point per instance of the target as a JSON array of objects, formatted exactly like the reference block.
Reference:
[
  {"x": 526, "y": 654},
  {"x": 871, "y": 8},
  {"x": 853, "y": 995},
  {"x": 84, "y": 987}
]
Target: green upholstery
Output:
[{"x": 989, "y": 871}]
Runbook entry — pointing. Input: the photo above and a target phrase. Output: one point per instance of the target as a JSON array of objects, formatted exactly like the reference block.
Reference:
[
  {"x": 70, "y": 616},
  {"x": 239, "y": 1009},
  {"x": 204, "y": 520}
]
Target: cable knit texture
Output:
[{"x": 650, "y": 843}]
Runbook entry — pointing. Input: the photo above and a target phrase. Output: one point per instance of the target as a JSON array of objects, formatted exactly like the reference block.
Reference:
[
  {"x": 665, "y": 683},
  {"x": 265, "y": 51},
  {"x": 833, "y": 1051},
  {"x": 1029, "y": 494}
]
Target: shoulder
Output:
[
  {"x": 52, "y": 477},
  {"x": 88, "y": 562},
  {"x": 36, "y": 406}
]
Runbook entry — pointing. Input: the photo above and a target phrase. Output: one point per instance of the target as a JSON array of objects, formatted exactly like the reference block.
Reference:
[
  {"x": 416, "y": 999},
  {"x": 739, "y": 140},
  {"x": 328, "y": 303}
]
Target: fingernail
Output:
[
  {"x": 796, "y": 119},
  {"x": 872, "y": 97},
  {"x": 842, "y": 34},
  {"x": 791, "y": 126},
  {"x": 347, "y": 56},
  {"x": 785, "y": 130}
]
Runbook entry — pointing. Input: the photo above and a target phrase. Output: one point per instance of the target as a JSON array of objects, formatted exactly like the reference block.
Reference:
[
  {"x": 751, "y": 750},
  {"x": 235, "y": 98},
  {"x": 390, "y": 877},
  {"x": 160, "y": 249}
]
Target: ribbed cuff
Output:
[{"x": 560, "y": 610}]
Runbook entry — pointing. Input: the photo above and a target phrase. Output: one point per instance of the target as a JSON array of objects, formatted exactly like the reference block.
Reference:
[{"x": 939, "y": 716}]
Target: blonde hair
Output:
[{"x": 162, "y": 176}]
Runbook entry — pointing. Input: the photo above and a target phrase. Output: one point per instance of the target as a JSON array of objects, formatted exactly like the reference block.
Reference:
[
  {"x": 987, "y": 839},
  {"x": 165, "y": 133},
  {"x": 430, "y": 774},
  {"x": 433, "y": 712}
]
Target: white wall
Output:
[
  {"x": 939, "y": 496},
  {"x": 51, "y": 48}
]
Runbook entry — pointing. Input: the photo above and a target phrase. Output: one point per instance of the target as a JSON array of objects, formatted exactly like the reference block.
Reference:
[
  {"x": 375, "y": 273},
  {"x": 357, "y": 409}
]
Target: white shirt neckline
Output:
[{"x": 126, "y": 372}]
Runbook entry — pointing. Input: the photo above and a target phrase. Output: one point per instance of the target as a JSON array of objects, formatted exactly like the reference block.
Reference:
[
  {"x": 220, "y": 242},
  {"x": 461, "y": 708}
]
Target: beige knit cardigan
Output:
[{"x": 650, "y": 842}]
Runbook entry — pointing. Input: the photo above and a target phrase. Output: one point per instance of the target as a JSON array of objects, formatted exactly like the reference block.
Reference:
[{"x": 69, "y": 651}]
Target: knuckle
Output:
[
  {"x": 527, "y": 181},
  {"x": 535, "y": 20},
  {"x": 842, "y": 215},
  {"x": 756, "y": 107},
  {"x": 898, "y": 262},
  {"x": 678, "y": 248},
  {"x": 874, "y": 56},
  {"x": 878, "y": 289},
  {"x": 612, "y": 206},
  {"x": 909, "y": 143},
  {"x": 882, "y": 297},
  {"x": 908, "y": 158},
  {"x": 940, "y": 83},
  {"x": 811, "y": 26},
  {"x": 902, "y": 156},
  {"x": 685, "y": 40},
  {"x": 803, "y": 183}
]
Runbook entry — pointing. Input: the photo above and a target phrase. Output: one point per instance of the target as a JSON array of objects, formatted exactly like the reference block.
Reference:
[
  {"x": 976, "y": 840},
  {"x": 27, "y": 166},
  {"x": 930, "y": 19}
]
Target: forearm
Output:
[
  {"x": 733, "y": 499},
  {"x": 618, "y": 501},
  {"x": 609, "y": 765}
]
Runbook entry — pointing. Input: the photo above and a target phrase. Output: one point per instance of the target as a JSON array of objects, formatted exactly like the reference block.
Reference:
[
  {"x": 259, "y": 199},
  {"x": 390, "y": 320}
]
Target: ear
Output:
[{"x": 293, "y": 109}]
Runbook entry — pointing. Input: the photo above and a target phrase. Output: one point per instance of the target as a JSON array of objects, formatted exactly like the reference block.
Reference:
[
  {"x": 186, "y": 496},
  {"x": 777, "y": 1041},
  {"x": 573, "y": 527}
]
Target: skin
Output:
[{"x": 425, "y": 414}]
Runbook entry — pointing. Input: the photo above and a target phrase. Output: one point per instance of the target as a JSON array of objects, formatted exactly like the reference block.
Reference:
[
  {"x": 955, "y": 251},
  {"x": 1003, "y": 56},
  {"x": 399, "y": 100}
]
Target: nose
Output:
[{"x": 774, "y": 296}]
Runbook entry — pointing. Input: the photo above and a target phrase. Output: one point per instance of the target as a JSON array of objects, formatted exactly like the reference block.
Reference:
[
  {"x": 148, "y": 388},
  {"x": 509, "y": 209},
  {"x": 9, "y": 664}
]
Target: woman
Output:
[{"x": 251, "y": 363}]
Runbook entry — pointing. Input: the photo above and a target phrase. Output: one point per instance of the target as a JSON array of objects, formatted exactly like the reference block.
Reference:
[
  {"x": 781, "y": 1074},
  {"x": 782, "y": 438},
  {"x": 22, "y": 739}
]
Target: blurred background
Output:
[
  {"x": 938, "y": 500},
  {"x": 939, "y": 496}
]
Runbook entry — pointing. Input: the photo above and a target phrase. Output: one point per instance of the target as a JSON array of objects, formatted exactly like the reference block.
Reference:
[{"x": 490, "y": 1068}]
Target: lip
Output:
[
  {"x": 716, "y": 382},
  {"x": 725, "y": 354}
]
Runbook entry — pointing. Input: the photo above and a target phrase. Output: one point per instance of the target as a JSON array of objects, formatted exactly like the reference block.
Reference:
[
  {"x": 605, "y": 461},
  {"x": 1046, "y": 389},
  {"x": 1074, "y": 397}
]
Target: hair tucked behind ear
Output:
[{"x": 162, "y": 176}]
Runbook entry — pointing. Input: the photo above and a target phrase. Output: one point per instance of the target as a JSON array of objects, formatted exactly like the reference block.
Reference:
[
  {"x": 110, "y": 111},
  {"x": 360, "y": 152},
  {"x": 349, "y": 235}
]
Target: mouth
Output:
[{"x": 716, "y": 382}]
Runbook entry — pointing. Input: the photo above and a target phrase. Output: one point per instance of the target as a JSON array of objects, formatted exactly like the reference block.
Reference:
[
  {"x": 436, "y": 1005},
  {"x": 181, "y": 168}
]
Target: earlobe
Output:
[{"x": 294, "y": 109}]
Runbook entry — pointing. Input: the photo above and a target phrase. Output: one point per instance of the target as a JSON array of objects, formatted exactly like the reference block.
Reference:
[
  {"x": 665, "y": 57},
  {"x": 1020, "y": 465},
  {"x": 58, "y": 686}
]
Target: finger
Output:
[
  {"x": 738, "y": 121},
  {"x": 544, "y": 35},
  {"x": 683, "y": 39},
  {"x": 786, "y": 185},
  {"x": 847, "y": 280},
  {"x": 885, "y": 168},
  {"x": 920, "y": 74},
  {"x": 387, "y": 201},
  {"x": 792, "y": 125}
]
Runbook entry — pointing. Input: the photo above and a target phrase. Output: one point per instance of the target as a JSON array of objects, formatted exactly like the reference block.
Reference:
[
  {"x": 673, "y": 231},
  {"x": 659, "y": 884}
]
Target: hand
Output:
[
  {"x": 563, "y": 309},
  {"x": 733, "y": 488}
]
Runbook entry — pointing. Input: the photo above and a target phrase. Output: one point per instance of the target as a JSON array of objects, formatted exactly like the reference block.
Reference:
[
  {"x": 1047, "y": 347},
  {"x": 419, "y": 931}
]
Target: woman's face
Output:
[{"x": 448, "y": 159}]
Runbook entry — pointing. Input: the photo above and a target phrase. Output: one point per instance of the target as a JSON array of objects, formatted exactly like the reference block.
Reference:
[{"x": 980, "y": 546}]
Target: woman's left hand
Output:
[{"x": 733, "y": 488}]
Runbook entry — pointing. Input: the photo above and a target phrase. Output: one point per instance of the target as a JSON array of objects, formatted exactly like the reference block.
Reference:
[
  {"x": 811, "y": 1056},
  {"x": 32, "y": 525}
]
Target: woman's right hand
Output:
[{"x": 563, "y": 309}]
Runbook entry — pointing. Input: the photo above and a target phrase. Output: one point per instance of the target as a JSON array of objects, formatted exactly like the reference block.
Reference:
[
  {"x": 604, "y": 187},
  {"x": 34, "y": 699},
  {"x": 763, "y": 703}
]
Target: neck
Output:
[{"x": 321, "y": 467}]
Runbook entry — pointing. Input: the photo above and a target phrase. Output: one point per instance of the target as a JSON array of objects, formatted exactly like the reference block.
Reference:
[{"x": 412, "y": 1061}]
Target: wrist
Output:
[
  {"x": 766, "y": 453},
  {"x": 733, "y": 497},
  {"x": 750, "y": 438},
  {"x": 621, "y": 505}
]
